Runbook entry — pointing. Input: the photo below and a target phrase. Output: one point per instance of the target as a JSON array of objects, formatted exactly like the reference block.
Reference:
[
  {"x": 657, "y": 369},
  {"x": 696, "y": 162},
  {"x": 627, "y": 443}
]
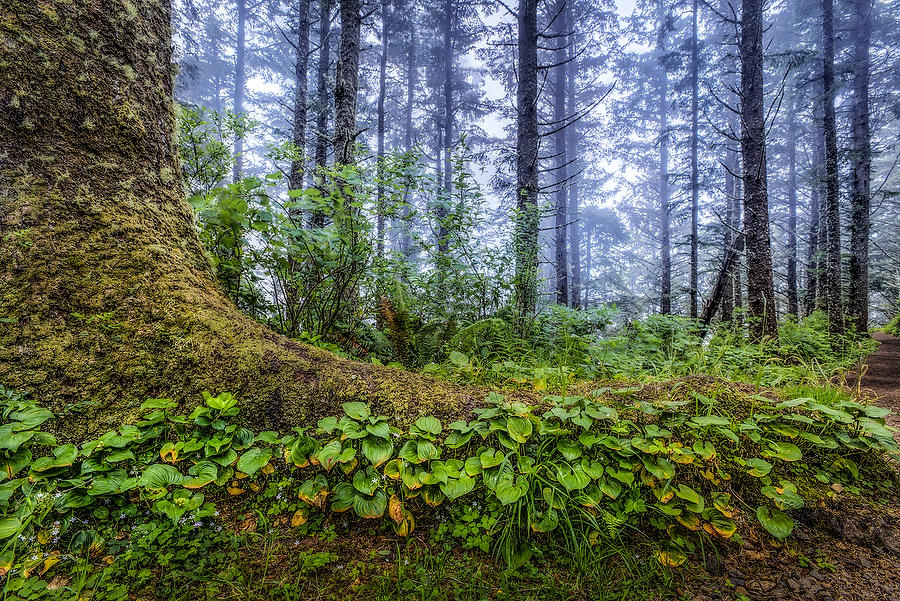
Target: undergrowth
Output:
[{"x": 173, "y": 504}]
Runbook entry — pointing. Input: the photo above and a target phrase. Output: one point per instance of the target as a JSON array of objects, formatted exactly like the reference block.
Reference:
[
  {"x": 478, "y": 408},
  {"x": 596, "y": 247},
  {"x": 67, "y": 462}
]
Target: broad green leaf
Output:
[
  {"x": 710, "y": 420},
  {"x": 509, "y": 491},
  {"x": 546, "y": 521},
  {"x": 63, "y": 456},
  {"x": 160, "y": 476},
  {"x": 490, "y": 458},
  {"x": 29, "y": 418},
  {"x": 9, "y": 526},
  {"x": 356, "y": 410},
  {"x": 366, "y": 481},
  {"x": 429, "y": 424},
  {"x": 785, "y": 451},
  {"x": 253, "y": 460},
  {"x": 342, "y": 497},
  {"x": 370, "y": 507},
  {"x": 758, "y": 467},
  {"x": 376, "y": 450},
  {"x": 114, "y": 482},
  {"x": 610, "y": 488},
  {"x": 457, "y": 487},
  {"x": 572, "y": 477},
  {"x": 519, "y": 429},
  {"x": 569, "y": 449},
  {"x": 380, "y": 429},
  {"x": 778, "y": 523},
  {"x": 426, "y": 450}
]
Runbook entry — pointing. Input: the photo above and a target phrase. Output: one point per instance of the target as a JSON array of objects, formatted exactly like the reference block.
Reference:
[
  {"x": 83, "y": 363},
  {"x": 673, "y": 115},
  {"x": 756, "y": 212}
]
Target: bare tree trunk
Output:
[
  {"x": 527, "y": 214},
  {"x": 405, "y": 238},
  {"x": 665, "y": 299},
  {"x": 295, "y": 179},
  {"x": 346, "y": 84},
  {"x": 858, "y": 302},
  {"x": 728, "y": 286},
  {"x": 323, "y": 99},
  {"x": 588, "y": 264},
  {"x": 760, "y": 285},
  {"x": 737, "y": 226},
  {"x": 119, "y": 241},
  {"x": 812, "y": 250},
  {"x": 833, "y": 302},
  {"x": 791, "y": 141},
  {"x": 572, "y": 155},
  {"x": 695, "y": 172},
  {"x": 382, "y": 93},
  {"x": 559, "y": 117},
  {"x": 240, "y": 81}
]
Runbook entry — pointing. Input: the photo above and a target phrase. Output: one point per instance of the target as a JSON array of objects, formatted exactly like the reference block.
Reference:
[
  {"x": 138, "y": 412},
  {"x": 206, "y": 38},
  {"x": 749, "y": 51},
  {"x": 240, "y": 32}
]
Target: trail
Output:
[{"x": 883, "y": 376}]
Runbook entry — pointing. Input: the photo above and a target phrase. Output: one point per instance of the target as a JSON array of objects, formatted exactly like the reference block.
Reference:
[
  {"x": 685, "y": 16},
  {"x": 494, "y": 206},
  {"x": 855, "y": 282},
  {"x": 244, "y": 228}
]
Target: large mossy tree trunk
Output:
[{"x": 106, "y": 295}]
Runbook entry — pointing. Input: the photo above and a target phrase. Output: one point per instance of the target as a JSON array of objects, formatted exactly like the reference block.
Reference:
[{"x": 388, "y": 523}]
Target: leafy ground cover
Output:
[{"x": 612, "y": 492}]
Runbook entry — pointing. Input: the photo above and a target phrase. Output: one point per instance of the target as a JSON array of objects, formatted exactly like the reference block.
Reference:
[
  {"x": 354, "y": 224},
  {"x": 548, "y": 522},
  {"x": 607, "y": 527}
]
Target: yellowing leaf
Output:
[
  {"x": 395, "y": 509},
  {"x": 299, "y": 518}
]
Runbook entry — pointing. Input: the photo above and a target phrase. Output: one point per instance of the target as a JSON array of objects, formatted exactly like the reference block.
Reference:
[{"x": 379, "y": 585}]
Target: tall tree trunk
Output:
[
  {"x": 118, "y": 243},
  {"x": 812, "y": 250},
  {"x": 346, "y": 83},
  {"x": 695, "y": 172},
  {"x": 240, "y": 82},
  {"x": 665, "y": 297},
  {"x": 446, "y": 181},
  {"x": 559, "y": 116},
  {"x": 382, "y": 93},
  {"x": 738, "y": 226},
  {"x": 833, "y": 302},
  {"x": 588, "y": 264},
  {"x": 760, "y": 286},
  {"x": 729, "y": 189},
  {"x": 858, "y": 268},
  {"x": 298, "y": 165},
  {"x": 793, "y": 308},
  {"x": 572, "y": 155},
  {"x": 323, "y": 99},
  {"x": 301, "y": 63},
  {"x": 405, "y": 237},
  {"x": 527, "y": 214}
]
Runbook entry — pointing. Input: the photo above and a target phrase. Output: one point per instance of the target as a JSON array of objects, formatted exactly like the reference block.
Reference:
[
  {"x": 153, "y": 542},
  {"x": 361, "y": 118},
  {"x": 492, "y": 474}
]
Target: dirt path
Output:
[
  {"x": 883, "y": 376},
  {"x": 847, "y": 551}
]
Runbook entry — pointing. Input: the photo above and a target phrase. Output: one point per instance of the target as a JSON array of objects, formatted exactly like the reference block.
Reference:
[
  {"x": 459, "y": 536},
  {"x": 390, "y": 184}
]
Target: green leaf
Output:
[
  {"x": 223, "y": 402},
  {"x": 29, "y": 418},
  {"x": 377, "y": 450},
  {"x": 786, "y": 451},
  {"x": 366, "y": 481},
  {"x": 778, "y": 523},
  {"x": 546, "y": 521},
  {"x": 343, "y": 497},
  {"x": 610, "y": 488},
  {"x": 114, "y": 482},
  {"x": 691, "y": 496},
  {"x": 569, "y": 449},
  {"x": 328, "y": 455},
  {"x": 380, "y": 429},
  {"x": 429, "y": 424},
  {"x": 327, "y": 424},
  {"x": 13, "y": 440},
  {"x": 9, "y": 526},
  {"x": 519, "y": 428},
  {"x": 508, "y": 491},
  {"x": 572, "y": 477},
  {"x": 356, "y": 410},
  {"x": 491, "y": 458},
  {"x": 455, "y": 488},
  {"x": 63, "y": 456},
  {"x": 203, "y": 473},
  {"x": 594, "y": 469},
  {"x": 784, "y": 496},
  {"x": 426, "y": 450},
  {"x": 253, "y": 460},
  {"x": 710, "y": 420},
  {"x": 661, "y": 468},
  {"x": 758, "y": 467},
  {"x": 15, "y": 463},
  {"x": 159, "y": 476},
  {"x": 370, "y": 507}
]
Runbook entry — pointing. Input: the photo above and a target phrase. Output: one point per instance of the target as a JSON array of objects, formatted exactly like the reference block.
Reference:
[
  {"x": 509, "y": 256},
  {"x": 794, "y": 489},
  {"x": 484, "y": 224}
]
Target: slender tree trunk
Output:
[
  {"x": 446, "y": 181},
  {"x": 323, "y": 100},
  {"x": 119, "y": 241},
  {"x": 382, "y": 93},
  {"x": 301, "y": 63},
  {"x": 728, "y": 241},
  {"x": 527, "y": 214},
  {"x": 760, "y": 286},
  {"x": 833, "y": 302},
  {"x": 346, "y": 83},
  {"x": 695, "y": 172},
  {"x": 737, "y": 225},
  {"x": 406, "y": 238},
  {"x": 793, "y": 308},
  {"x": 292, "y": 293},
  {"x": 572, "y": 155},
  {"x": 240, "y": 81},
  {"x": 665, "y": 299},
  {"x": 588, "y": 264},
  {"x": 812, "y": 250},
  {"x": 559, "y": 116},
  {"x": 858, "y": 268}
]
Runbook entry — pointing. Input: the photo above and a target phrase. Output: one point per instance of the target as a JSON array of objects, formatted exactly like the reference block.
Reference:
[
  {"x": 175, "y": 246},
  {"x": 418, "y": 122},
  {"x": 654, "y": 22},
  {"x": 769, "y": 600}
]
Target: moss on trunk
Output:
[{"x": 106, "y": 297}]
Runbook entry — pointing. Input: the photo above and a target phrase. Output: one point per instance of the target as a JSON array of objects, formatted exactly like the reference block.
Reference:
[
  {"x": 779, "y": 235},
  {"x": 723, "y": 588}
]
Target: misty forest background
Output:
[{"x": 636, "y": 156}]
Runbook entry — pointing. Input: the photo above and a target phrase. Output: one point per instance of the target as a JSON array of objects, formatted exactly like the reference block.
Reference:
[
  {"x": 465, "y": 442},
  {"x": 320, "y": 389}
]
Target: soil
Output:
[{"x": 848, "y": 551}]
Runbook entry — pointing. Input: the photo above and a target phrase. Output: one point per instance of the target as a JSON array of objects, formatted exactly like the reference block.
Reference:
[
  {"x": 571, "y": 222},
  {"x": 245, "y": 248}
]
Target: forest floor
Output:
[{"x": 847, "y": 551}]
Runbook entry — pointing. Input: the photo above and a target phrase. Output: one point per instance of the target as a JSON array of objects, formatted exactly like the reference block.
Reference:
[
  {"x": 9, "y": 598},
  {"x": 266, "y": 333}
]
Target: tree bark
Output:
[
  {"x": 559, "y": 117},
  {"x": 298, "y": 166},
  {"x": 731, "y": 168},
  {"x": 572, "y": 155},
  {"x": 240, "y": 82},
  {"x": 105, "y": 292},
  {"x": 695, "y": 171},
  {"x": 405, "y": 237},
  {"x": 760, "y": 285},
  {"x": 665, "y": 297},
  {"x": 446, "y": 184},
  {"x": 793, "y": 308},
  {"x": 833, "y": 303},
  {"x": 323, "y": 98},
  {"x": 346, "y": 84},
  {"x": 527, "y": 214},
  {"x": 382, "y": 93},
  {"x": 858, "y": 268}
]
